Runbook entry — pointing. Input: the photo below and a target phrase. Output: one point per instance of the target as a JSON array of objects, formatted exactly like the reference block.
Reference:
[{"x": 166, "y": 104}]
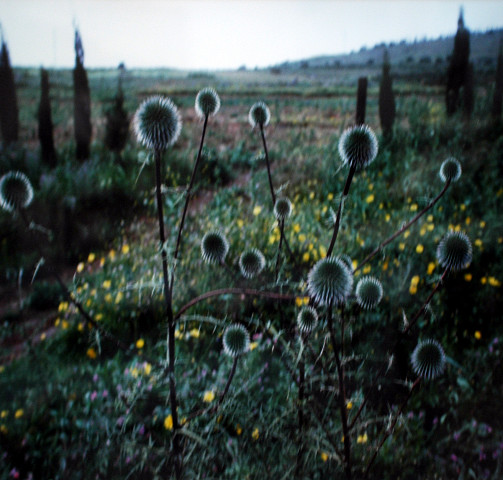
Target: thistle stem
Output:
[
  {"x": 372, "y": 254},
  {"x": 389, "y": 431},
  {"x": 300, "y": 413},
  {"x": 171, "y": 321},
  {"x": 336, "y": 227},
  {"x": 234, "y": 291},
  {"x": 188, "y": 194},
  {"x": 273, "y": 195},
  {"x": 281, "y": 230},
  {"x": 342, "y": 396}
]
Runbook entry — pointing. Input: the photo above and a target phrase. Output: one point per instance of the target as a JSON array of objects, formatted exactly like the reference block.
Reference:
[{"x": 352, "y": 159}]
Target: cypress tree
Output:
[
  {"x": 458, "y": 66},
  {"x": 81, "y": 103},
  {"x": 361, "y": 100},
  {"x": 498, "y": 86},
  {"x": 9, "y": 122},
  {"x": 387, "y": 108},
  {"x": 117, "y": 122},
  {"x": 469, "y": 92},
  {"x": 45, "y": 135}
]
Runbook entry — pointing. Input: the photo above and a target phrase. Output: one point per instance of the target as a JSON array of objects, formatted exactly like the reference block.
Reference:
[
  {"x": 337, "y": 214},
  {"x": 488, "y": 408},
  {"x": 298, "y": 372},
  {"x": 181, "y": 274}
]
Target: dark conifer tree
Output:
[
  {"x": 45, "y": 131},
  {"x": 458, "y": 66},
  {"x": 9, "y": 114},
  {"x": 387, "y": 108},
  {"x": 117, "y": 122},
  {"x": 81, "y": 103},
  {"x": 469, "y": 92},
  {"x": 498, "y": 86}
]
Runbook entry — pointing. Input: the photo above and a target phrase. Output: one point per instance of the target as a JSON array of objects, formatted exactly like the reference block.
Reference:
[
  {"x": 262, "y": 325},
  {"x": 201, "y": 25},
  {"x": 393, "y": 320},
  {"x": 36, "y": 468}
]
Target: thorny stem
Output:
[
  {"x": 337, "y": 224},
  {"x": 233, "y": 291},
  {"x": 389, "y": 431},
  {"x": 342, "y": 396},
  {"x": 188, "y": 194},
  {"x": 372, "y": 254},
  {"x": 171, "y": 321},
  {"x": 273, "y": 195}
]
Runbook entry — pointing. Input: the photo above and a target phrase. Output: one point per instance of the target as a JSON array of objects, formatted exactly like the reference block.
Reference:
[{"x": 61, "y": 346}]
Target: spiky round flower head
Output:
[
  {"x": 368, "y": 292},
  {"x": 358, "y": 146},
  {"x": 207, "y": 102},
  {"x": 157, "y": 123},
  {"x": 236, "y": 340},
  {"x": 259, "y": 115},
  {"x": 307, "y": 319},
  {"x": 214, "y": 247},
  {"x": 450, "y": 170},
  {"x": 428, "y": 359},
  {"x": 282, "y": 209},
  {"x": 454, "y": 250},
  {"x": 251, "y": 262},
  {"x": 16, "y": 191},
  {"x": 330, "y": 281}
]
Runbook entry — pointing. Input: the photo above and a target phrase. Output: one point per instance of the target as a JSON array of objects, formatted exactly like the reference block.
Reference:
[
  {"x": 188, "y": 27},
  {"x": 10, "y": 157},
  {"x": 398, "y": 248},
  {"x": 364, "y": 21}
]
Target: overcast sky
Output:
[{"x": 220, "y": 34}]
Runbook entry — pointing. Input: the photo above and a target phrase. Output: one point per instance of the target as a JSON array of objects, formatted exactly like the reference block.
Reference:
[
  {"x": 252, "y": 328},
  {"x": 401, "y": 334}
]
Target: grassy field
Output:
[{"x": 74, "y": 405}]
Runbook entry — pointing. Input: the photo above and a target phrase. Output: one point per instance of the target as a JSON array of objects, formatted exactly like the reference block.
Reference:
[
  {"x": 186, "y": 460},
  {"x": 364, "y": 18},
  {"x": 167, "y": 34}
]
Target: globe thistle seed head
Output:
[
  {"x": 307, "y": 320},
  {"x": 282, "y": 209},
  {"x": 428, "y": 359},
  {"x": 236, "y": 340},
  {"x": 330, "y": 281},
  {"x": 454, "y": 250},
  {"x": 16, "y": 191},
  {"x": 259, "y": 115},
  {"x": 368, "y": 292},
  {"x": 214, "y": 247},
  {"x": 251, "y": 263},
  {"x": 207, "y": 102},
  {"x": 450, "y": 170},
  {"x": 358, "y": 146},
  {"x": 157, "y": 123}
]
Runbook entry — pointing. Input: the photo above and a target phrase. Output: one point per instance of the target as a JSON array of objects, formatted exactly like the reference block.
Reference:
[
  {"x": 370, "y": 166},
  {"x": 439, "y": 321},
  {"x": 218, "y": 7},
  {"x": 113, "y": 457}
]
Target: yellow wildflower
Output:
[
  {"x": 478, "y": 242},
  {"x": 330, "y": 196},
  {"x": 323, "y": 251},
  {"x": 168, "y": 422},
  {"x": 468, "y": 277},
  {"x": 430, "y": 227},
  {"x": 494, "y": 282},
  {"x": 91, "y": 258},
  {"x": 462, "y": 207},
  {"x": 406, "y": 234},
  {"x": 98, "y": 317},
  {"x": 2, "y": 369},
  {"x": 401, "y": 246},
  {"x": 4, "y": 413},
  {"x": 302, "y": 238},
  {"x": 239, "y": 430},
  {"x": 419, "y": 248},
  {"x": 125, "y": 249},
  {"x": 413, "y": 207},
  {"x": 305, "y": 257},
  {"x": 19, "y": 413},
  {"x": 431, "y": 267},
  {"x": 429, "y": 218},
  {"x": 324, "y": 456},
  {"x": 255, "y": 434},
  {"x": 80, "y": 267},
  {"x": 107, "y": 284},
  {"x": 296, "y": 228},
  {"x": 195, "y": 332},
  {"x": 4, "y": 429},
  {"x": 349, "y": 405},
  {"x": 63, "y": 307},
  {"x": 366, "y": 269},
  {"x": 91, "y": 353},
  {"x": 209, "y": 396},
  {"x": 483, "y": 280},
  {"x": 387, "y": 217},
  {"x": 482, "y": 224},
  {"x": 412, "y": 289},
  {"x": 240, "y": 223},
  {"x": 119, "y": 297},
  {"x": 370, "y": 198},
  {"x": 298, "y": 301},
  {"x": 257, "y": 210},
  {"x": 362, "y": 438},
  {"x": 140, "y": 343},
  {"x": 253, "y": 345},
  {"x": 477, "y": 335},
  {"x": 148, "y": 368}
]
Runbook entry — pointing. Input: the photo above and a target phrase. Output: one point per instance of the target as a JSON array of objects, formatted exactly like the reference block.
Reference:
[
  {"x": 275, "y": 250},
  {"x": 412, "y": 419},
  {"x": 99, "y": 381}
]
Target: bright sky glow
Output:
[{"x": 221, "y": 34}]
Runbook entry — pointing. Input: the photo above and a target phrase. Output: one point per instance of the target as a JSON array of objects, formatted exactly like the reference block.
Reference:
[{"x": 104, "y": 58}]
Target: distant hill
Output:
[{"x": 483, "y": 53}]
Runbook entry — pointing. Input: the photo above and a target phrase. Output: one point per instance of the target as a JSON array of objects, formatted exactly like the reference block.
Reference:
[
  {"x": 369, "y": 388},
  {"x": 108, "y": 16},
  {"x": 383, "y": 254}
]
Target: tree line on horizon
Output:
[{"x": 459, "y": 95}]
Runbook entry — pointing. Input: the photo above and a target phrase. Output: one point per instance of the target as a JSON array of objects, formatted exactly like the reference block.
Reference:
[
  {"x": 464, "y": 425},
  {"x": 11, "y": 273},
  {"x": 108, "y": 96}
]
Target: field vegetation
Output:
[{"x": 88, "y": 395}]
